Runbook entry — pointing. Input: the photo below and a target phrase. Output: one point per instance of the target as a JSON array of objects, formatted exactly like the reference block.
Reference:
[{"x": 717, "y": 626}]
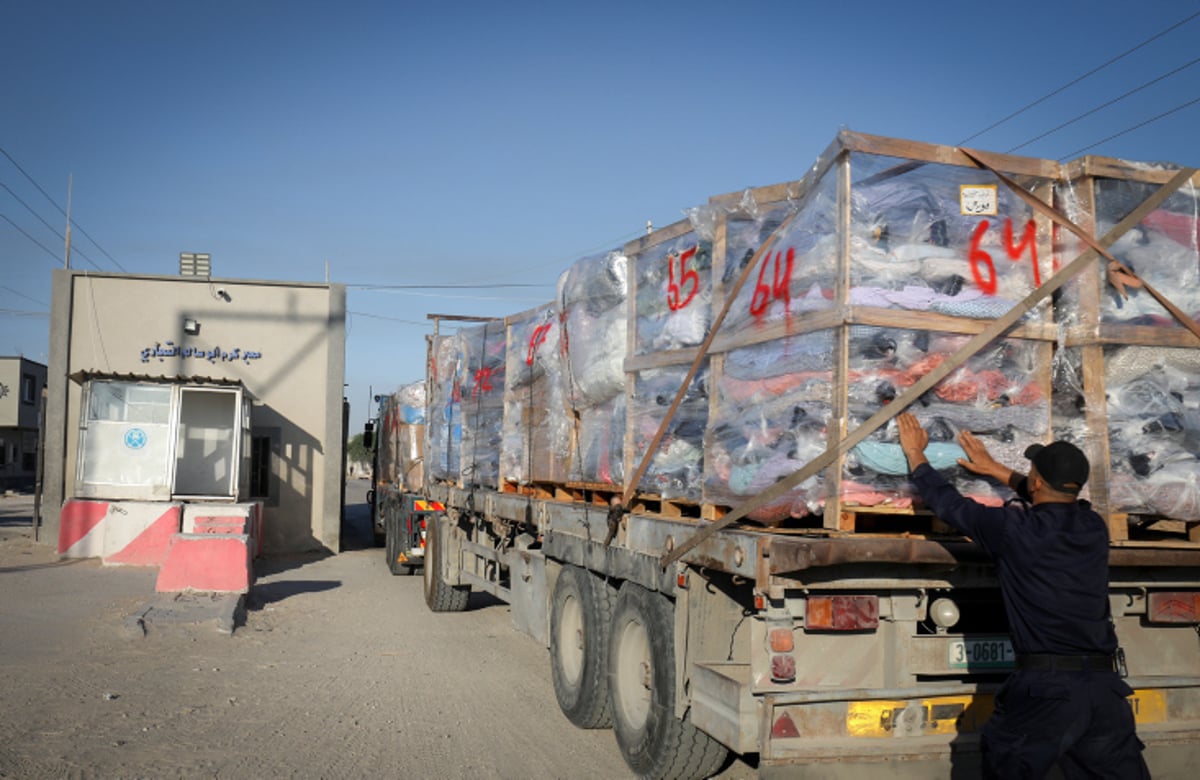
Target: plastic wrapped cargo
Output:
[
  {"x": 592, "y": 296},
  {"x": 444, "y": 421},
  {"x": 484, "y": 363},
  {"x": 536, "y": 443},
  {"x": 674, "y": 293},
  {"x": 772, "y": 408},
  {"x": 775, "y": 400},
  {"x": 1163, "y": 249},
  {"x": 1001, "y": 394},
  {"x": 676, "y": 467},
  {"x": 1154, "y": 430},
  {"x": 401, "y": 438},
  {"x": 914, "y": 243}
]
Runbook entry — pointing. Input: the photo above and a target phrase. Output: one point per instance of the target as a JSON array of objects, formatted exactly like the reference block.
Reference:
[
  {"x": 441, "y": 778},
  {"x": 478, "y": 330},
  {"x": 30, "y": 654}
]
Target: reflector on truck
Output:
[
  {"x": 961, "y": 714},
  {"x": 428, "y": 506}
]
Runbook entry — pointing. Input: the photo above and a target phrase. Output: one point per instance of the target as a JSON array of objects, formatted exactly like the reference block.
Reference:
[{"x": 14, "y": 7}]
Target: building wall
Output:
[
  {"x": 284, "y": 341},
  {"x": 21, "y": 384}
]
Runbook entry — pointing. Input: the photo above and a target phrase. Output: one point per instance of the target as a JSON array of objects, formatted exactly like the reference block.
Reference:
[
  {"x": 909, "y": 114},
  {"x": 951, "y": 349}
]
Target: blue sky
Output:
[{"x": 495, "y": 143}]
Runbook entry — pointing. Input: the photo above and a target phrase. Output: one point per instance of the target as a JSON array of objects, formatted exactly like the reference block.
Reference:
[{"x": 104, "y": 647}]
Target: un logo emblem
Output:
[{"x": 135, "y": 438}]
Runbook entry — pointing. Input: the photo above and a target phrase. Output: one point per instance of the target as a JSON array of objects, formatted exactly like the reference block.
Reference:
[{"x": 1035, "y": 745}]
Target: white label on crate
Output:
[{"x": 977, "y": 200}]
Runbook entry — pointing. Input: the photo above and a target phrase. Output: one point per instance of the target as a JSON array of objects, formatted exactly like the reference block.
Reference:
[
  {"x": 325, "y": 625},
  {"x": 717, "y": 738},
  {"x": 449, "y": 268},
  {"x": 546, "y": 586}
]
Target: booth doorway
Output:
[{"x": 206, "y": 445}]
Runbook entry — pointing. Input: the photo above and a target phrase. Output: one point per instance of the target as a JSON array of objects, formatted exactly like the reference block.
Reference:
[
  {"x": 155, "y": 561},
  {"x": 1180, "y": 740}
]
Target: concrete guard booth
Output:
[{"x": 193, "y": 411}]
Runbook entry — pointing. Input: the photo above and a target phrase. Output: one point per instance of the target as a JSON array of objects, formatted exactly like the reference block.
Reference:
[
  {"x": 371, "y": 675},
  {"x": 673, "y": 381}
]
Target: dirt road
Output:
[{"x": 338, "y": 672}]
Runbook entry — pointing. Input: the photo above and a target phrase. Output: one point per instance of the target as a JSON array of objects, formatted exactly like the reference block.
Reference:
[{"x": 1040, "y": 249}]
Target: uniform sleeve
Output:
[{"x": 986, "y": 525}]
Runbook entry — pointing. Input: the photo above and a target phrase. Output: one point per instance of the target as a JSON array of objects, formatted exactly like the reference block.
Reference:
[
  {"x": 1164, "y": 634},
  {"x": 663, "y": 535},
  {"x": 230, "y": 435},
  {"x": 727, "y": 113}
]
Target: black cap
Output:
[{"x": 1061, "y": 464}]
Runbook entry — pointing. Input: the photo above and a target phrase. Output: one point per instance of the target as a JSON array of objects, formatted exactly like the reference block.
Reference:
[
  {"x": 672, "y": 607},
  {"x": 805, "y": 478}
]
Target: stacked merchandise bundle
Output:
[
  {"x": 482, "y": 351},
  {"x": 536, "y": 443},
  {"x": 1142, "y": 410},
  {"x": 444, "y": 421},
  {"x": 672, "y": 289},
  {"x": 592, "y": 296},
  {"x": 402, "y": 438},
  {"x": 877, "y": 272}
]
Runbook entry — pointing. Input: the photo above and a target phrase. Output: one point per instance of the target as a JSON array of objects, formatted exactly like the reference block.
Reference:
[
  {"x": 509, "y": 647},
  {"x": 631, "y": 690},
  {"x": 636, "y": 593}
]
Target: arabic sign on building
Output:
[{"x": 169, "y": 349}]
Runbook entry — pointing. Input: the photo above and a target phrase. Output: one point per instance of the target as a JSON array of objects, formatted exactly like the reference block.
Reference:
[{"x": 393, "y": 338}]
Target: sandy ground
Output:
[{"x": 339, "y": 672}]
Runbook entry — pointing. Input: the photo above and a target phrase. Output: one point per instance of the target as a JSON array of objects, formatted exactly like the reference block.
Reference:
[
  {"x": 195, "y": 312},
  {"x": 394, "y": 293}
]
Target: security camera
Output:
[{"x": 223, "y": 295}]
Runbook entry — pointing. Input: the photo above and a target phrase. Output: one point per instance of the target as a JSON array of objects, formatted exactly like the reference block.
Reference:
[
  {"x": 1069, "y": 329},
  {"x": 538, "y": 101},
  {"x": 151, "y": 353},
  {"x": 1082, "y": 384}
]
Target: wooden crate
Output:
[
  {"x": 1115, "y": 342},
  {"x": 535, "y": 447},
  {"x": 669, "y": 308},
  {"x": 811, "y": 284}
]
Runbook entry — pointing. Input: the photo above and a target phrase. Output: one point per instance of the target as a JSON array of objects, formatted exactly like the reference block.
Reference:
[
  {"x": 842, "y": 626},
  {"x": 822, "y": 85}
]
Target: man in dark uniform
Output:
[{"x": 1065, "y": 704}]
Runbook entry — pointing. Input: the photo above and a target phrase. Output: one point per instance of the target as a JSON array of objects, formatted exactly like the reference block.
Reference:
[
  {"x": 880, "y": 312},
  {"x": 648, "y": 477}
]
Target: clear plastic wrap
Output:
[
  {"x": 401, "y": 438},
  {"x": 916, "y": 242},
  {"x": 591, "y": 297},
  {"x": 536, "y": 444},
  {"x": 600, "y": 443},
  {"x": 773, "y": 405},
  {"x": 675, "y": 469},
  {"x": 674, "y": 294},
  {"x": 1153, "y": 396},
  {"x": 592, "y": 300},
  {"x": 775, "y": 398},
  {"x": 997, "y": 394},
  {"x": 797, "y": 274},
  {"x": 444, "y": 422},
  {"x": 484, "y": 364}
]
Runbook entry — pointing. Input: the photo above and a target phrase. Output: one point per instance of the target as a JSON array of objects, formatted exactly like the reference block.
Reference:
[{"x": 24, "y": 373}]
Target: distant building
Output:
[
  {"x": 21, "y": 385},
  {"x": 199, "y": 390}
]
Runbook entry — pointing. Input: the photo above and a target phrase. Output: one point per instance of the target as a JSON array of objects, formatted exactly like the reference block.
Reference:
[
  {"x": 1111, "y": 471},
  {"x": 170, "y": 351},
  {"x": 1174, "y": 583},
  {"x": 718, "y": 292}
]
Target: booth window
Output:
[{"x": 153, "y": 441}]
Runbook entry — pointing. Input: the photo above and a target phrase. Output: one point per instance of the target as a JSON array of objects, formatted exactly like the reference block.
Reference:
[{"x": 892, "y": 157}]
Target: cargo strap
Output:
[{"x": 977, "y": 342}]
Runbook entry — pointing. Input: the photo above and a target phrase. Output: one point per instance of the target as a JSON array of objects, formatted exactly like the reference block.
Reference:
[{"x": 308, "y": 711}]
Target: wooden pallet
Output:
[
  {"x": 1150, "y": 528},
  {"x": 674, "y": 508}
]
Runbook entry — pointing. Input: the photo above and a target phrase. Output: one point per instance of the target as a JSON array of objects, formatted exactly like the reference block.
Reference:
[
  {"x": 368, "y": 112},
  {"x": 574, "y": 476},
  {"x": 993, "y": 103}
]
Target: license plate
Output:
[{"x": 984, "y": 653}]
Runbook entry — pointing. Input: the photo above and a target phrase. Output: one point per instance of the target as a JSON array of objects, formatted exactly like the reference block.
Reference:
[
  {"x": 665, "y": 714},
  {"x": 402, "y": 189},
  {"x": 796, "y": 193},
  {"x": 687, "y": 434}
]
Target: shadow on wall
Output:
[{"x": 290, "y": 514}]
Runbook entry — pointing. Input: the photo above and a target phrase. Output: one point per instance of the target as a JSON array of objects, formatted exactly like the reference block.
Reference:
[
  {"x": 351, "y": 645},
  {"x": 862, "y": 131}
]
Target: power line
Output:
[
  {"x": 23, "y": 295},
  {"x": 21, "y": 230},
  {"x": 47, "y": 224},
  {"x": 1105, "y": 105},
  {"x": 1075, "y": 81},
  {"x": 54, "y": 203},
  {"x": 1151, "y": 120},
  {"x": 389, "y": 319},
  {"x": 23, "y": 313}
]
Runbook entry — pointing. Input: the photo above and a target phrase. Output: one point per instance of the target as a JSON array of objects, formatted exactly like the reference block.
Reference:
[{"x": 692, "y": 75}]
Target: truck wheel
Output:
[
  {"x": 440, "y": 596},
  {"x": 580, "y": 615},
  {"x": 655, "y": 743},
  {"x": 391, "y": 529}
]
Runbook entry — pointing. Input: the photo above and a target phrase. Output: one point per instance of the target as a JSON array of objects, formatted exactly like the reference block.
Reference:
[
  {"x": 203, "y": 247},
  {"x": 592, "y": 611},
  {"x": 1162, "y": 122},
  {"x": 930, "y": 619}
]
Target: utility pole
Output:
[{"x": 70, "y": 183}]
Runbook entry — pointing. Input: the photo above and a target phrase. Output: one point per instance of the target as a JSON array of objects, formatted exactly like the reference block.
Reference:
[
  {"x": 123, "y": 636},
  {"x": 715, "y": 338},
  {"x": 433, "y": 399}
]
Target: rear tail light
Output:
[
  {"x": 1173, "y": 606},
  {"x": 422, "y": 524},
  {"x": 783, "y": 668},
  {"x": 841, "y": 613},
  {"x": 781, "y": 640}
]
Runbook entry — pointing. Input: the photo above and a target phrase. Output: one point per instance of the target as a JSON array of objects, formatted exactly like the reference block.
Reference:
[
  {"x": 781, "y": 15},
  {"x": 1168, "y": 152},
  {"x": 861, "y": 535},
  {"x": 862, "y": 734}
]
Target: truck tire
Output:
[
  {"x": 580, "y": 616},
  {"x": 641, "y": 658},
  {"x": 391, "y": 530},
  {"x": 440, "y": 596}
]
